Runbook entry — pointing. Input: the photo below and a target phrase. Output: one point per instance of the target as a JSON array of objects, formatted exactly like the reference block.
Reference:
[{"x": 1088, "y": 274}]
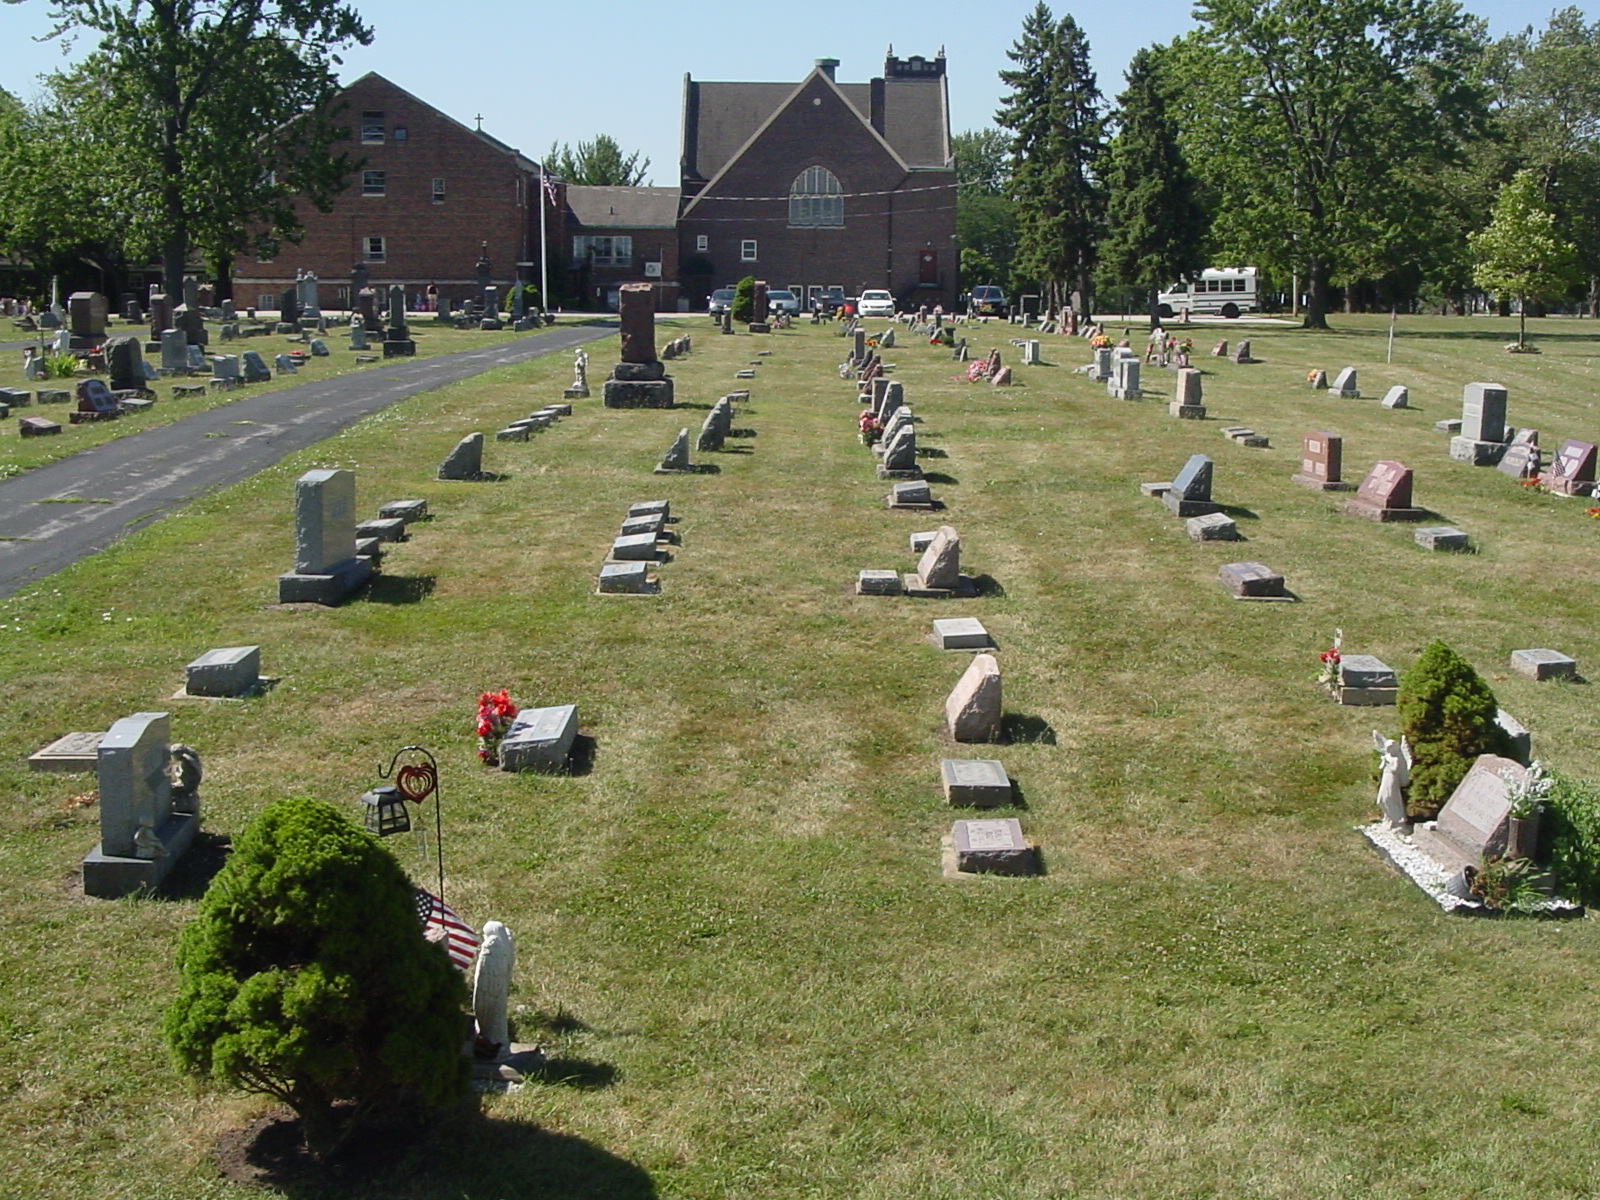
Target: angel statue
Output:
[{"x": 1396, "y": 757}]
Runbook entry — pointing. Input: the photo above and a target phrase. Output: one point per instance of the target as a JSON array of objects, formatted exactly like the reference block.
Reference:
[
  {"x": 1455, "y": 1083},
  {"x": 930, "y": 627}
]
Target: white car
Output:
[{"x": 875, "y": 303}]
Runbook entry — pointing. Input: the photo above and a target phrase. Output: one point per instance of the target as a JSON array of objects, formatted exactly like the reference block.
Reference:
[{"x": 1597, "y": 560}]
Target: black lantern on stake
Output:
[
  {"x": 414, "y": 781},
  {"x": 386, "y": 810}
]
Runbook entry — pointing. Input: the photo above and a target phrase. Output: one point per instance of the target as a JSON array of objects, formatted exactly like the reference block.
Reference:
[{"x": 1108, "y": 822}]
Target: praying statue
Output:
[{"x": 1396, "y": 757}]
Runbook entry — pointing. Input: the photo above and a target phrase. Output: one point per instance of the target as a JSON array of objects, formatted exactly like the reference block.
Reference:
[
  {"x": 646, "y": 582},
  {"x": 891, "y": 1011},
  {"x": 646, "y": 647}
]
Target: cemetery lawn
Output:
[
  {"x": 734, "y": 936},
  {"x": 18, "y": 454}
]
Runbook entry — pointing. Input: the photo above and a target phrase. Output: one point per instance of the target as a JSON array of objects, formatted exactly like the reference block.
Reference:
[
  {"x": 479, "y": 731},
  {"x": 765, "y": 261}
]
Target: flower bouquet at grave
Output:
[
  {"x": 1593, "y": 512},
  {"x": 1328, "y": 677},
  {"x": 1099, "y": 342},
  {"x": 496, "y": 711},
  {"x": 871, "y": 428}
]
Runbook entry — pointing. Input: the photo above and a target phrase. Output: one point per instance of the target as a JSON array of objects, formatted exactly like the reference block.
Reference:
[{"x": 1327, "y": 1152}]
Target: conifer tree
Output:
[
  {"x": 1447, "y": 713},
  {"x": 1057, "y": 138},
  {"x": 1155, "y": 221}
]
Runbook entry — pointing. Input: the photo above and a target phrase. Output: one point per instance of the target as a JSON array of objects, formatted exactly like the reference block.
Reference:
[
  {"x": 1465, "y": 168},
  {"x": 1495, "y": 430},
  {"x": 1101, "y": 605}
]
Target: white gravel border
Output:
[{"x": 1429, "y": 876}]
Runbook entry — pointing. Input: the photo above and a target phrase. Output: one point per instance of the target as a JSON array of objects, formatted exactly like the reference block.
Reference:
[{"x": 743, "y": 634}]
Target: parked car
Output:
[
  {"x": 875, "y": 302},
  {"x": 783, "y": 300},
  {"x": 986, "y": 301},
  {"x": 721, "y": 301}
]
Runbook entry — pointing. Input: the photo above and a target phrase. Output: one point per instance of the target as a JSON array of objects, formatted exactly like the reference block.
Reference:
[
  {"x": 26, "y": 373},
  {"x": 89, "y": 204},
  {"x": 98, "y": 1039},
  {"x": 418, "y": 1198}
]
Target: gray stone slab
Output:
[
  {"x": 1396, "y": 397},
  {"x": 993, "y": 846},
  {"x": 1518, "y": 734},
  {"x": 73, "y": 752},
  {"x": 329, "y": 587},
  {"x": 651, "y": 523},
  {"x": 1213, "y": 527},
  {"x": 1193, "y": 482},
  {"x": 921, "y": 541},
  {"x": 1475, "y": 821},
  {"x": 406, "y": 510},
  {"x": 385, "y": 529},
  {"x": 1441, "y": 537},
  {"x": 1543, "y": 664},
  {"x": 975, "y": 782},
  {"x": 878, "y": 583},
  {"x": 634, "y": 548},
  {"x": 626, "y": 578},
  {"x": 1345, "y": 383},
  {"x": 324, "y": 520},
  {"x": 1157, "y": 490},
  {"x": 664, "y": 507},
  {"x": 911, "y": 494},
  {"x": 1483, "y": 412},
  {"x": 1251, "y": 581},
  {"x": 961, "y": 633},
  {"x": 512, "y": 433},
  {"x": 465, "y": 461},
  {"x": 229, "y": 671},
  {"x": 1365, "y": 671},
  {"x": 540, "y": 739}
]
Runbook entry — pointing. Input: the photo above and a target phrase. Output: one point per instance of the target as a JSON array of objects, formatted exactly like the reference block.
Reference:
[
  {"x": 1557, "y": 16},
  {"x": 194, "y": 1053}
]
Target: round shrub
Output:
[
  {"x": 744, "y": 299},
  {"x": 305, "y": 976},
  {"x": 1447, "y": 713}
]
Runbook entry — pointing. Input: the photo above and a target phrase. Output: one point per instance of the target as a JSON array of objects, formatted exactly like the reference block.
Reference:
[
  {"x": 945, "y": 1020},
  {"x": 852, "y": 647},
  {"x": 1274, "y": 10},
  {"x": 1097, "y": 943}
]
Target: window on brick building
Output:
[
  {"x": 438, "y": 188},
  {"x": 747, "y": 250},
  {"x": 372, "y": 128},
  {"x": 815, "y": 198},
  {"x": 377, "y": 250},
  {"x": 401, "y": 133},
  {"x": 702, "y": 242},
  {"x": 607, "y": 251},
  {"x": 372, "y": 183}
]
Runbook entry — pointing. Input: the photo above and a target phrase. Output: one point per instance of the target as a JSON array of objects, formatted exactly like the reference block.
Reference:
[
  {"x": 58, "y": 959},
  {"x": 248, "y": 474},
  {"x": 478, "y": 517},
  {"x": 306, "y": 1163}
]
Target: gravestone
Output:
[
  {"x": 900, "y": 454},
  {"x": 1190, "y": 494},
  {"x": 1441, "y": 537},
  {"x": 95, "y": 403},
  {"x": 70, "y": 753},
  {"x": 913, "y": 494},
  {"x": 1241, "y": 354},
  {"x": 193, "y": 324},
  {"x": 540, "y": 739},
  {"x": 973, "y": 709},
  {"x": 1124, "y": 383},
  {"x": 961, "y": 633},
  {"x": 286, "y": 364},
  {"x": 992, "y": 847},
  {"x": 144, "y": 828},
  {"x": 1475, "y": 822},
  {"x": 1252, "y": 581},
  {"x": 939, "y": 569},
  {"x": 626, "y": 579},
  {"x": 230, "y": 671},
  {"x": 1384, "y": 495},
  {"x": 1030, "y": 353},
  {"x": 1318, "y": 381},
  {"x": 255, "y": 367},
  {"x": 712, "y": 432},
  {"x": 1399, "y": 396},
  {"x": 974, "y": 782},
  {"x": 125, "y": 362},
  {"x": 174, "y": 352},
  {"x": 397, "y": 340},
  {"x": 1213, "y": 527},
  {"x": 358, "y": 332},
  {"x": 1482, "y": 439},
  {"x": 640, "y": 379},
  {"x": 634, "y": 547},
  {"x": 86, "y": 314},
  {"x": 1540, "y": 665},
  {"x": 1321, "y": 463},
  {"x": 1100, "y": 369},
  {"x": 226, "y": 367},
  {"x": 1345, "y": 384},
  {"x": 1522, "y": 459},
  {"x": 758, "y": 309},
  {"x": 1366, "y": 680},
  {"x": 160, "y": 315},
  {"x": 1518, "y": 734},
  {"x": 1573, "y": 471},
  {"x": 676, "y": 460},
  {"x": 878, "y": 583},
  {"x": 37, "y": 426},
  {"x": 465, "y": 461},
  {"x": 318, "y": 348},
  {"x": 326, "y": 569}
]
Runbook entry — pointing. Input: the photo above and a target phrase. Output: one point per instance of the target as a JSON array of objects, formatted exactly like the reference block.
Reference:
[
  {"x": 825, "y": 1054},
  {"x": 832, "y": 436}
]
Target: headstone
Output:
[
  {"x": 1441, "y": 537},
  {"x": 465, "y": 461},
  {"x": 1100, "y": 370},
  {"x": 286, "y": 364},
  {"x": 1213, "y": 527},
  {"x": 160, "y": 315},
  {"x": 676, "y": 459},
  {"x": 37, "y": 426},
  {"x": 1321, "y": 462},
  {"x": 1384, "y": 495},
  {"x": 639, "y": 380},
  {"x": 1541, "y": 665},
  {"x": 72, "y": 752},
  {"x": 634, "y": 547},
  {"x": 95, "y": 402},
  {"x": 974, "y": 782},
  {"x": 940, "y": 565},
  {"x": 318, "y": 348},
  {"x": 973, "y": 709},
  {"x": 625, "y": 578},
  {"x": 86, "y": 313},
  {"x": 636, "y": 307},
  {"x": 1518, "y": 734},
  {"x": 1124, "y": 383},
  {"x": 1252, "y": 581},
  {"x": 712, "y": 432},
  {"x": 1399, "y": 396},
  {"x": 125, "y": 363},
  {"x": 358, "y": 332},
  {"x": 1030, "y": 353},
  {"x": 878, "y": 583},
  {"x": 1476, "y": 821},
  {"x": 900, "y": 454},
  {"x": 1318, "y": 381},
  {"x": 1345, "y": 384},
  {"x": 1482, "y": 439},
  {"x": 1522, "y": 459},
  {"x": 540, "y": 739},
  {"x": 1241, "y": 354},
  {"x": 1572, "y": 473},
  {"x": 326, "y": 568},
  {"x": 1190, "y": 494},
  {"x": 758, "y": 309},
  {"x": 143, "y": 831},
  {"x": 231, "y": 671},
  {"x": 226, "y": 366},
  {"x": 1366, "y": 680},
  {"x": 961, "y": 633},
  {"x": 405, "y": 510},
  {"x": 174, "y": 352},
  {"x": 992, "y": 847},
  {"x": 192, "y": 323},
  {"x": 910, "y": 494},
  {"x": 397, "y": 340},
  {"x": 255, "y": 367},
  {"x": 382, "y": 529}
]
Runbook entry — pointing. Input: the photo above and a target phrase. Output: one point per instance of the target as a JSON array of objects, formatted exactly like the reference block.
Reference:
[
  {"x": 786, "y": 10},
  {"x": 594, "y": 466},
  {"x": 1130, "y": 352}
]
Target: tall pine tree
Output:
[
  {"x": 1155, "y": 222},
  {"x": 1057, "y": 138}
]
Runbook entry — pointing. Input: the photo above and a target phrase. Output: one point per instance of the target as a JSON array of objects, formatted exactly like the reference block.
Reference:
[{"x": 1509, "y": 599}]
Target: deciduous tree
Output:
[
  {"x": 598, "y": 163},
  {"x": 1520, "y": 253}
]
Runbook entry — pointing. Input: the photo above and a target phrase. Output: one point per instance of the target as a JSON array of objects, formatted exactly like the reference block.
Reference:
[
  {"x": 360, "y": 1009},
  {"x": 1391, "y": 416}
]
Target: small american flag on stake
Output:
[{"x": 440, "y": 924}]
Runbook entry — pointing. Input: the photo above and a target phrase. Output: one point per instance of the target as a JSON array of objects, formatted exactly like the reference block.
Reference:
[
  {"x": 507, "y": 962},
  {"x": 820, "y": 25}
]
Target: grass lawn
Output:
[
  {"x": 18, "y": 454},
  {"x": 734, "y": 936}
]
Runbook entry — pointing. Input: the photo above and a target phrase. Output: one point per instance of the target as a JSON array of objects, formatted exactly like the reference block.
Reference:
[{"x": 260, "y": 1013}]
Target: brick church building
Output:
[{"x": 812, "y": 186}]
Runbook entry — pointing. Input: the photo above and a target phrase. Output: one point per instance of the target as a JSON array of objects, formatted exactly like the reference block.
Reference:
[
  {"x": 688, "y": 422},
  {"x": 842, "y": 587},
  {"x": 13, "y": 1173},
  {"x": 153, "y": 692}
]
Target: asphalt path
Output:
[{"x": 54, "y": 515}]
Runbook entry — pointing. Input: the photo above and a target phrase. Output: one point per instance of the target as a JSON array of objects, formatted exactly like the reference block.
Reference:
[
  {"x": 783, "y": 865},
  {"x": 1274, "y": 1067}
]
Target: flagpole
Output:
[
  {"x": 544, "y": 257},
  {"x": 1392, "y": 315}
]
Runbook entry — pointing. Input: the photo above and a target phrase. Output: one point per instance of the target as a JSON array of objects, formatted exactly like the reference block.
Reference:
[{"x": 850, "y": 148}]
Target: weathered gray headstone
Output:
[
  {"x": 1399, "y": 396},
  {"x": 1251, "y": 581},
  {"x": 540, "y": 739},
  {"x": 1483, "y": 425},
  {"x": 1543, "y": 664},
  {"x": 255, "y": 367},
  {"x": 143, "y": 832},
  {"x": 1212, "y": 527},
  {"x": 994, "y": 847},
  {"x": 676, "y": 459},
  {"x": 230, "y": 671},
  {"x": 326, "y": 568},
  {"x": 878, "y": 583},
  {"x": 974, "y": 782},
  {"x": 940, "y": 564},
  {"x": 625, "y": 578},
  {"x": 465, "y": 461},
  {"x": 1345, "y": 383},
  {"x": 1441, "y": 537},
  {"x": 1190, "y": 494},
  {"x": 961, "y": 633}
]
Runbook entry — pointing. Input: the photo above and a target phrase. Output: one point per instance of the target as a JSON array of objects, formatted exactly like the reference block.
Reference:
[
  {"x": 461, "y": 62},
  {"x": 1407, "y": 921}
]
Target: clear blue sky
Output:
[{"x": 543, "y": 72}]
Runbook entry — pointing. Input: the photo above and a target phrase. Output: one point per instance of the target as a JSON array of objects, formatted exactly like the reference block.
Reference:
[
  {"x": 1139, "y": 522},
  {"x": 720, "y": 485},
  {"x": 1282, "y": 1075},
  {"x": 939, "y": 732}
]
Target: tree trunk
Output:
[
  {"x": 1316, "y": 295},
  {"x": 1522, "y": 321},
  {"x": 1155, "y": 308}
]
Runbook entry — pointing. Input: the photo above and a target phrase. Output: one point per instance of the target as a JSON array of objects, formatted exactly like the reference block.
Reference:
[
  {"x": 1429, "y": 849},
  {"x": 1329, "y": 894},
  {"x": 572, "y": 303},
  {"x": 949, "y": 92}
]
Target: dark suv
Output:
[{"x": 987, "y": 301}]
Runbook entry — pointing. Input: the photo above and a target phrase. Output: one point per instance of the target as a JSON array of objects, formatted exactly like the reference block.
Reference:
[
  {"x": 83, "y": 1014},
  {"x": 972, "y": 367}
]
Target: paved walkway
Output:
[{"x": 113, "y": 489}]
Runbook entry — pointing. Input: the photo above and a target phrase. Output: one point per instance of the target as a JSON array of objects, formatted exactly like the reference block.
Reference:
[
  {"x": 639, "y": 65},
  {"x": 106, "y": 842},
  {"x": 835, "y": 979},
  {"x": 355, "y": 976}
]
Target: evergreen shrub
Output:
[{"x": 1447, "y": 713}]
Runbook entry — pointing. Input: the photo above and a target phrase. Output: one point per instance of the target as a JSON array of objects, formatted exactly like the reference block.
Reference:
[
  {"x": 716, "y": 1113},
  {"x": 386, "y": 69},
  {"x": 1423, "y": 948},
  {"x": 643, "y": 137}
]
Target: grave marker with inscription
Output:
[
  {"x": 1321, "y": 463},
  {"x": 1385, "y": 495}
]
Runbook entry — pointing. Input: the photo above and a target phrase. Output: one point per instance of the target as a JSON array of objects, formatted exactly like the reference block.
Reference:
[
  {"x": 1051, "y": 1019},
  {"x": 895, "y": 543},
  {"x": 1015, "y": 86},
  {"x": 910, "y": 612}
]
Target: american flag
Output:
[
  {"x": 440, "y": 924},
  {"x": 551, "y": 193}
]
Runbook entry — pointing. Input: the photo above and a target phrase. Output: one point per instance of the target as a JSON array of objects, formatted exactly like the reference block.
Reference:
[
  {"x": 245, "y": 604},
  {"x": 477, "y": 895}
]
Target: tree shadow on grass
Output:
[
  {"x": 464, "y": 1155},
  {"x": 401, "y": 589},
  {"x": 1020, "y": 729}
]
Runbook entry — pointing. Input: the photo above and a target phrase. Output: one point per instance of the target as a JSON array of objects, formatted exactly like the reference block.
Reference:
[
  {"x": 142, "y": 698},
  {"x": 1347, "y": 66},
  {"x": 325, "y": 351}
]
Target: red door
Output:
[{"x": 928, "y": 268}]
